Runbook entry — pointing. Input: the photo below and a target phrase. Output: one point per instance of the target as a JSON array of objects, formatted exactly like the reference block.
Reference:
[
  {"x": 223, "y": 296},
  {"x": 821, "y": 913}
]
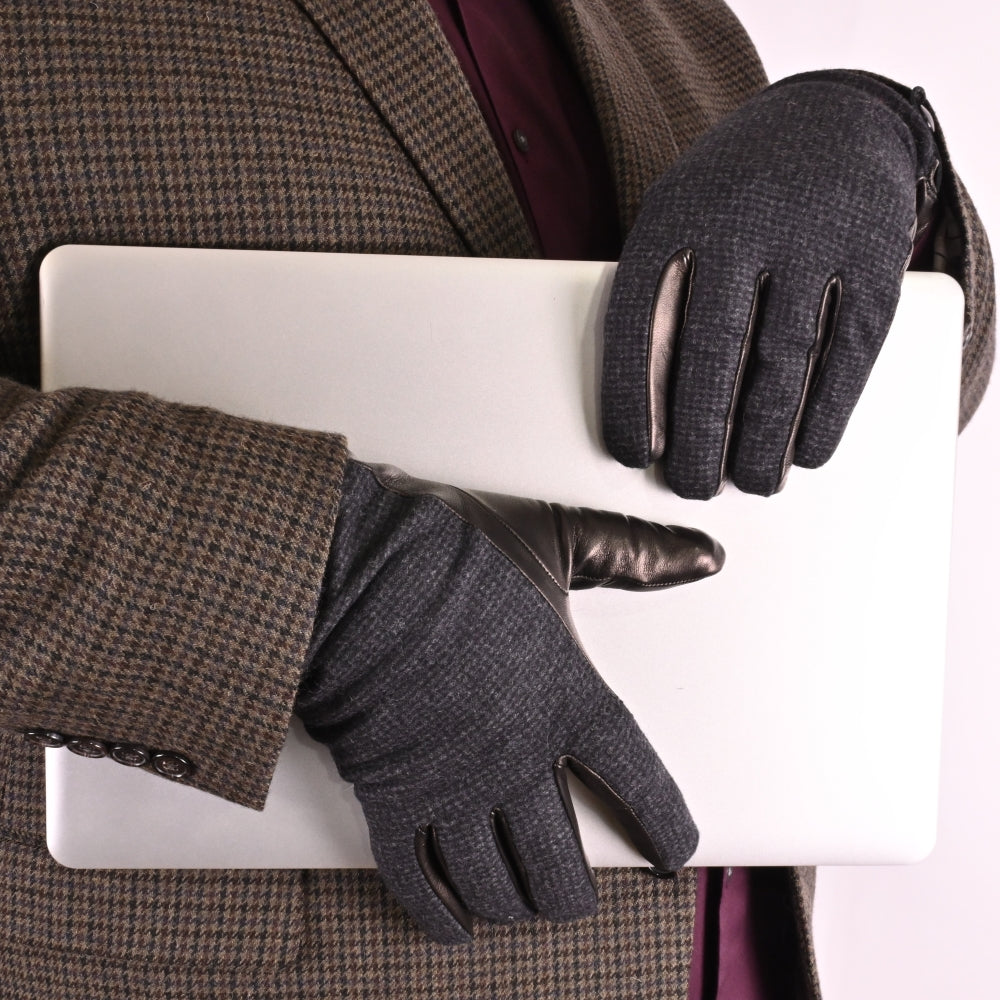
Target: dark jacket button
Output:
[
  {"x": 172, "y": 765},
  {"x": 130, "y": 754},
  {"x": 87, "y": 746},
  {"x": 45, "y": 737}
]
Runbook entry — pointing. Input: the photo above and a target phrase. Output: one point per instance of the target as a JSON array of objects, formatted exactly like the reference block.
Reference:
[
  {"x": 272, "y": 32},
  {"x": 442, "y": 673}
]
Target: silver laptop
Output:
[{"x": 796, "y": 696}]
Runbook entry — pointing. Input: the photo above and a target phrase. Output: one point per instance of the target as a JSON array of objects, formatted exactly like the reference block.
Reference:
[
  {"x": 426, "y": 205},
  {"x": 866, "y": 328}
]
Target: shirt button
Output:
[
  {"x": 521, "y": 140},
  {"x": 172, "y": 765},
  {"x": 130, "y": 754},
  {"x": 45, "y": 737},
  {"x": 87, "y": 746}
]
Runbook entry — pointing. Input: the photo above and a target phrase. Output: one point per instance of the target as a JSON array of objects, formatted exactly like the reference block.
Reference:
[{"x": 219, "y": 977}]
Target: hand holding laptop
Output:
[
  {"x": 447, "y": 679},
  {"x": 760, "y": 279}
]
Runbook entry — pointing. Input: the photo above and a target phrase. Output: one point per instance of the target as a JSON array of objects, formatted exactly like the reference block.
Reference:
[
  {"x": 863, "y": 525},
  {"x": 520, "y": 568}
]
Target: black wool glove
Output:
[
  {"x": 760, "y": 279},
  {"x": 446, "y": 679}
]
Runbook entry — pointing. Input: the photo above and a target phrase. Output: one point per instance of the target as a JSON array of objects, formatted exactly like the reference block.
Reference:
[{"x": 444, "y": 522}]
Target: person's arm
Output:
[{"x": 160, "y": 567}]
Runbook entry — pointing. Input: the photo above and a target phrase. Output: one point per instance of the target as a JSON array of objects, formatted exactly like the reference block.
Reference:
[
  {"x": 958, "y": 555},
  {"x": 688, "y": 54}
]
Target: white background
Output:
[{"x": 927, "y": 931}]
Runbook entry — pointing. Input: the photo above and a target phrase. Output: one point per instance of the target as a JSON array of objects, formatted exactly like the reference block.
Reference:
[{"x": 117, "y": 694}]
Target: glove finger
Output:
[
  {"x": 709, "y": 365},
  {"x": 794, "y": 316},
  {"x": 619, "y": 765},
  {"x": 854, "y": 344},
  {"x": 644, "y": 317},
  {"x": 411, "y": 865},
  {"x": 609, "y": 549},
  {"x": 542, "y": 825},
  {"x": 485, "y": 869}
]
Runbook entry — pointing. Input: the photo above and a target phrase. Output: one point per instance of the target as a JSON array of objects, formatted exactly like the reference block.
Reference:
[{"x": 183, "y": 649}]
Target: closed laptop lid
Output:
[{"x": 795, "y": 697}]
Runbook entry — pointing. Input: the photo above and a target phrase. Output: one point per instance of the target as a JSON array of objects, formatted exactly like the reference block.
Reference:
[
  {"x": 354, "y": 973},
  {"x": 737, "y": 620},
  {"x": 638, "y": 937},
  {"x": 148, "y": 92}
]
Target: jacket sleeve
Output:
[
  {"x": 962, "y": 250},
  {"x": 160, "y": 570}
]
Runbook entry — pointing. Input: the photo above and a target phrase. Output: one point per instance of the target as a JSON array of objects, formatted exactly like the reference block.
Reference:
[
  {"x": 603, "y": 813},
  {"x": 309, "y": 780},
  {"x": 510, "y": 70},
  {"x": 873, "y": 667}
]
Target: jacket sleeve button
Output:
[
  {"x": 87, "y": 746},
  {"x": 45, "y": 737},
  {"x": 130, "y": 754},
  {"x": 172, "y": 765}
]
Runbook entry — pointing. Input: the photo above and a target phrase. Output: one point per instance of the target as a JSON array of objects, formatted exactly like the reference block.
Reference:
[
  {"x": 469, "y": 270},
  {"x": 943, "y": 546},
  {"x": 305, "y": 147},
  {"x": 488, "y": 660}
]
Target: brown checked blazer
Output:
[{"x": 159, "y": 564}]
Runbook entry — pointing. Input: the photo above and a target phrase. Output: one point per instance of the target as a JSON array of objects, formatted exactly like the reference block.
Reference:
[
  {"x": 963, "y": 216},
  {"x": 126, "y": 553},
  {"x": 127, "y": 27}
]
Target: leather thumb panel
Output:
[
  {"x": 561, "y": 548},
  {"x": 627, "y": 553}
]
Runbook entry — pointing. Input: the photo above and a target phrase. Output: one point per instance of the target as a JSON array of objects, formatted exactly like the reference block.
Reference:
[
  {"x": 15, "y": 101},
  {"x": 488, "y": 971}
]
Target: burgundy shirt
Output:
[
  {"x": 550, "y": 141},
  {"x": 541, "y": 122}
]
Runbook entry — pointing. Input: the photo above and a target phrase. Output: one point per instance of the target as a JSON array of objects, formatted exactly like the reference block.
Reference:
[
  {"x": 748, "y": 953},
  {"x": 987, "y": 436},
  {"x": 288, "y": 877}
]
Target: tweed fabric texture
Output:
[
  {"x": 160, "y": 575},
  {"x": 189, "y": 124},
  {"x": 278, "y": 935},
  {"x": 659, "y": 75},
  {"x": 811, "y": 184},
  {"x": 962, "y": 249},
  {"x": 366, "y": 948},
  {"x": 436, "y": 121},
  {"x": 242, "y": 124}
]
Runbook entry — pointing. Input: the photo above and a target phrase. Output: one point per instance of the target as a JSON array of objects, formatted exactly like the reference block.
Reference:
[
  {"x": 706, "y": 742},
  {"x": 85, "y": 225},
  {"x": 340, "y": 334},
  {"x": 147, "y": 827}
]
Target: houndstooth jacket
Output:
[{"x": 160, "y": 564}]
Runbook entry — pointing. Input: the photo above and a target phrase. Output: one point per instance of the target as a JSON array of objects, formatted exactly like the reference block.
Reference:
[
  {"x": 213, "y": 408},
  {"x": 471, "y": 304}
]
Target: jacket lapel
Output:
[
  {"x": 633, "y": 119},
  {"x": 401, "y": 59}
]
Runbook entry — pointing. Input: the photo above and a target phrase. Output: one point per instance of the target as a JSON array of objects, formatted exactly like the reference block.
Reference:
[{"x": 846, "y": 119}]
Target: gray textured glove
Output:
[
  {"x": 446, "y": 678},
  {"x": 760, "y": 279}
]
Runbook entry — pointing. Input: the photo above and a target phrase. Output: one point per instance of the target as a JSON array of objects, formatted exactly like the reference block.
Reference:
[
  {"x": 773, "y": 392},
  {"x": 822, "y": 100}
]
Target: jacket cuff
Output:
[{"x": 160, "y": 579}]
